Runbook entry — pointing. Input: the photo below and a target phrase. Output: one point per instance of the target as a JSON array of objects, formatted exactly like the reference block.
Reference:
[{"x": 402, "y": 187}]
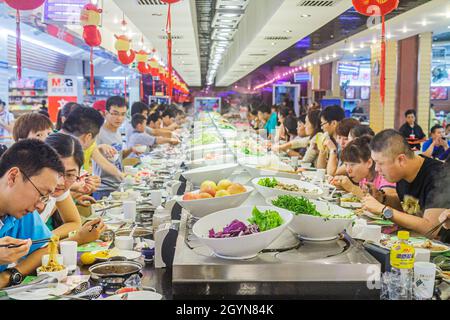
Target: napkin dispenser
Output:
[{"x": 165, "y": 242}]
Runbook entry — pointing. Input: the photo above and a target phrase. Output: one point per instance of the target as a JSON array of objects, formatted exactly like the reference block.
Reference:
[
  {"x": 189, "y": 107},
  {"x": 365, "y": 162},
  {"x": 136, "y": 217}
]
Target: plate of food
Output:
[
  {"x": 271, "y": 186},
  {"x": 419, "y": 242},
  {"x": 350, "y": 201}
]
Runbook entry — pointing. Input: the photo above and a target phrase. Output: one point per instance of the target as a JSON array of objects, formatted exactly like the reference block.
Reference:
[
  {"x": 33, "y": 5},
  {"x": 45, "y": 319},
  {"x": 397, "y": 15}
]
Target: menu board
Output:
[{"x": 65, "y": 11}]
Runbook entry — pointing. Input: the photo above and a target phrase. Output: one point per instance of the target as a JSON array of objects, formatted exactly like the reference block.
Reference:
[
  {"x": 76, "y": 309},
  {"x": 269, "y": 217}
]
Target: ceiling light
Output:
[
  {"x": 327, "y": 57},
  {"x": 448, "y": 14},
  {"x": 116, "y": 21},
  {"x": 388, "y": 36},
  {"x": 424, "y": 23},
  {"x": 351, "y": 49},
  {"x": 304, "y": 65},
  {"x": 361, "y": 45},
  {"x": 305, "y": 15},
  {"x": 405, "y": 30},
  {"x": 374, "y": 40},
  {"x": 288, "y": 31},
  {"x": 309, "y": 64},
  {"x": 230, "y": 15},
  {"x": 334, "y": 55},
  {"x": 273, "y": 43},
  {"x": 320, "y": 60}
]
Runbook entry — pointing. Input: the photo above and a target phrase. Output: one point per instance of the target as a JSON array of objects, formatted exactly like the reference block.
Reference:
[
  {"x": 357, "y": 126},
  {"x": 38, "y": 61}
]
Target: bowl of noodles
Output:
[{"x": 53, "y": 268}]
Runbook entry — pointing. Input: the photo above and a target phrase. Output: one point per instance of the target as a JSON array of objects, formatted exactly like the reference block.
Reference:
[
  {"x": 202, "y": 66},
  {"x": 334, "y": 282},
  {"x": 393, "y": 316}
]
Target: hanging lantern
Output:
[
  {"x": 123, "y": 45},
  {"x": 141, "y": 58},
  {"x": 90, "y": 17},
  {"x": 378, "y": 8},
  {"x": 169, "y": 43},
  {"x": 21, "y": 5}
]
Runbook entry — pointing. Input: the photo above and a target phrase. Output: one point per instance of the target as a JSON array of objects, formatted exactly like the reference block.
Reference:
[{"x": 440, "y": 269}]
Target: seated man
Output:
[
  {"x": 413, "y": 207},
  {"x": 437, "y": 146},
  {"x": 29, "y": 173},
  {"x": 154, "y": 124},
  {"x": 168, "y": 119}
]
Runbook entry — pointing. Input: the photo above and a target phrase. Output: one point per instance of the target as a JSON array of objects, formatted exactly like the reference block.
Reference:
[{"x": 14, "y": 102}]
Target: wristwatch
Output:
[
  {"x": 388, "y": 213},
  {"x": 15, "y": 278}
]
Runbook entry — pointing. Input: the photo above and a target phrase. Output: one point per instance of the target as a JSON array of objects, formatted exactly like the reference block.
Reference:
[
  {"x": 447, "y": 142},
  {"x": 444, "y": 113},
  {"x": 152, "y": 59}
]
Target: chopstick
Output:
[
  {"x": 11, "y": 246},
  {"x": 434, "y": 229},
  {"x": 94, "y": 226}
]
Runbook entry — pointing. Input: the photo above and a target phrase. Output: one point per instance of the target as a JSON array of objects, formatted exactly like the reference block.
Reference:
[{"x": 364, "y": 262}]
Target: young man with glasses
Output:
[
  {"x": 29, "y": 173},
  {"x": 116, "y": 110}
]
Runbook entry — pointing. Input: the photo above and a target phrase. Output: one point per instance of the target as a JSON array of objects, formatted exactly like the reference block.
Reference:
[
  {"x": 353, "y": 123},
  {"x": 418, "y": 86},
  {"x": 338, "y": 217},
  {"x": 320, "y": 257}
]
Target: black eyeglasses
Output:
[
  {"x": 71, "y": 178},
  {"x": 44, "y": 199},
  {"x": 324, "y": 123}
]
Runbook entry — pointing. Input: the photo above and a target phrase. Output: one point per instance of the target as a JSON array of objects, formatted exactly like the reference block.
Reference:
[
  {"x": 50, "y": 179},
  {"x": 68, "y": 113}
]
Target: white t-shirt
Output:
[{"x": 47, "y": 213}]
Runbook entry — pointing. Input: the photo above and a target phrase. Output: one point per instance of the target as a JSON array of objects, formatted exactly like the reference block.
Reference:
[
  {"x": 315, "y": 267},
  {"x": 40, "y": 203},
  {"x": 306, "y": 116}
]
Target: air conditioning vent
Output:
[
  {"x": 150, "y": 3},
  {"x": 317, "y": 3},
  {"x": 276, "y": 38}
]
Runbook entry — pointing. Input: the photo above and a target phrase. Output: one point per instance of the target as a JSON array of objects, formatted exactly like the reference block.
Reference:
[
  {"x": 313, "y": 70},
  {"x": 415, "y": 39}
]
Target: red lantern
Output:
[
  {"x": 122, "y": 46},
  {"x": 141, "y": 58},
  {"x": 24, "y": 4},
  {"x": 169, "y": 45},
  {"x": 21, "y": 5},
  {"x": 378, "y": 8},
  {"x": 368, "y": 7},
  {"x": 90, "y": 20}
]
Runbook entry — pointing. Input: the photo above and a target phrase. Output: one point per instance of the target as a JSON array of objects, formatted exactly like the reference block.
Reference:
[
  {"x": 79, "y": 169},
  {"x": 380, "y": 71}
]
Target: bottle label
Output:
[{"x": 402, "y": 256}]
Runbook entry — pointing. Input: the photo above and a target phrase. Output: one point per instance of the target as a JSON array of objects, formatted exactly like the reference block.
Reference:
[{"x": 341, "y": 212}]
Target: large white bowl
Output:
[
  {"x": 272, "y": 192},
  {"x": 202, "y": 207},
  {"x": 225, "y": 158},
  {"x": 254, "y": 171},
  {"x": 214, "y": 173},
  {"x": 319, "y": 228},
  {"x": 244, "y": 247}
]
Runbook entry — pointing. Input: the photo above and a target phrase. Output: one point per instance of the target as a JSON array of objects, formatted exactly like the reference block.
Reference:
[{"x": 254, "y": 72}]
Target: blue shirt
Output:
[
  {"x": 271, "y": 124},
  {"x": 30, "y": 226},
  {"x": 438, "y": 152}
]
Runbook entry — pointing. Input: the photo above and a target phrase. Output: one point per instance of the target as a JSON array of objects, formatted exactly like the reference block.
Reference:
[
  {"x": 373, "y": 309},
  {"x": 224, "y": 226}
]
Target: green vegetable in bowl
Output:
[
  {"x": 268, "y": 182},
  {"x": 266, "y": 220},
  {"x": 297, "y": 205}
]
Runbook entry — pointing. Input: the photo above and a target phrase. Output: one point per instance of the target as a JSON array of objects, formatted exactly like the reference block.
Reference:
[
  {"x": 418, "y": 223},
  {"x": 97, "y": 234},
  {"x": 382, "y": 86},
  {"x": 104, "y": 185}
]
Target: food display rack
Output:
[{"x": 291, "y": 268}]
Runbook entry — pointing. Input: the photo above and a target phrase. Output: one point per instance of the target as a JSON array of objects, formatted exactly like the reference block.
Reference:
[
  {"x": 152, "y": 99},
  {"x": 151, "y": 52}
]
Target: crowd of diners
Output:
[
  {"x": 399, "y": 175},
  {"x": 51, "y": 171}
]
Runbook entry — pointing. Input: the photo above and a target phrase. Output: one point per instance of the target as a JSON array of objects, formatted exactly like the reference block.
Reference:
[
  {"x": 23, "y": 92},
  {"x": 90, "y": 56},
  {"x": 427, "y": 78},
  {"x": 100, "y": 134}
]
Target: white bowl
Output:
[
  {"x": 272, "y": 192},
  {"x": 244, "y": 247},
  {"x": 202, "y": 207},
  {"x": 319, "y": 228},
  {"x": 254, "y": 171},
  {"x": 60, "y": 275},
  {"x": 214, "y": 173}
]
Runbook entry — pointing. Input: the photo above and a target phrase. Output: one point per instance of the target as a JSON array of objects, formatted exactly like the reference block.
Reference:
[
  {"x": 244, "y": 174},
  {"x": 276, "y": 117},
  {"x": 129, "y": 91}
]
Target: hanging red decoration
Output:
[
  {"x": 169, "y": 45},
  {"x": 122, "y": 45},
  {"x": 21, "y": 5},
  {"x": 378, "y": 8},
  {"x": 90, "y": 20},
  {"x": 141, "y": 58}
]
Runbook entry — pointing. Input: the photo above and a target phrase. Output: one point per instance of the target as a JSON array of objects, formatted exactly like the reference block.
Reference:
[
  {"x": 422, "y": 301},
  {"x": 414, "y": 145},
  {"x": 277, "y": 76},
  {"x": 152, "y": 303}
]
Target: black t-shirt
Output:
[
  {"x": 406, "y": 130},
  {"x": 420, "y": 194}
]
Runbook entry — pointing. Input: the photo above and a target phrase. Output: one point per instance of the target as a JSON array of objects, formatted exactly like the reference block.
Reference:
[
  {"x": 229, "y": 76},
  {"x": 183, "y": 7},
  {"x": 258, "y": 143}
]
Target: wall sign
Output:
[{"x": 61, "y": 90}]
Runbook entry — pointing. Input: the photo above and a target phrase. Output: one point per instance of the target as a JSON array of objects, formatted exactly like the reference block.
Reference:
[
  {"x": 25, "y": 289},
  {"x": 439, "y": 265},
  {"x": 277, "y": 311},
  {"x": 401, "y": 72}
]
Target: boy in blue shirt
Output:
[
  {"x": 269, "y": 116},
  {"x": 437, "y": 146}
]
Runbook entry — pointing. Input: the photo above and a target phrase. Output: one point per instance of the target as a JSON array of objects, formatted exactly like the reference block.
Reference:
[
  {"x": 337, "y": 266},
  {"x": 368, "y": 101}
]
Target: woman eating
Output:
[
  {"x": 71, "y": 155},
  {"x": 360, "y": 169}
]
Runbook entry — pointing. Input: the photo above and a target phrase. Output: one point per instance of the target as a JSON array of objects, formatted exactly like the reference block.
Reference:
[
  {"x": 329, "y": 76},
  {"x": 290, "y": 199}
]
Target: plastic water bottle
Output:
[{"x": 402, "y": 268}]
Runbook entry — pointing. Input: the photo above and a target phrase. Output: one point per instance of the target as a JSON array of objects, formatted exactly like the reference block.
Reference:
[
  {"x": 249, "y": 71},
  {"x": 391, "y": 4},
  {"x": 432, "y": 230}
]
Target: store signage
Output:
[
  {"x": 64, "y": 11},
  {"x": 348, "y": 68},
  {"x": 302, "y": 77},
  {"x": 61, "y": 90}
]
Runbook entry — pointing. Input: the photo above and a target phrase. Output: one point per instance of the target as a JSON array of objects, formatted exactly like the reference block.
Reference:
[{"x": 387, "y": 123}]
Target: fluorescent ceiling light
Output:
[{"x": 36, "y": 42}]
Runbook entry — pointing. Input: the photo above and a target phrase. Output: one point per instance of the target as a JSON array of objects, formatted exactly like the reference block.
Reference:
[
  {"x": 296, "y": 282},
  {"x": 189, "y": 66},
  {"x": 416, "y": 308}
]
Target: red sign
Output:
[{"x": 61, "y": 90}]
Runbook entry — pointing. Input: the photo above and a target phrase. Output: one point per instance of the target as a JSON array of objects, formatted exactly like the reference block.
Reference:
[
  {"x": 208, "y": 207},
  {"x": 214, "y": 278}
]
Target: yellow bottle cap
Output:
[{"x": 403, "y": 235}]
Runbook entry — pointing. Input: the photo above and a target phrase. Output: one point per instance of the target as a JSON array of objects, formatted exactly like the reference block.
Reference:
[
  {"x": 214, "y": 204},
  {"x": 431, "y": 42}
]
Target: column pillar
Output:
[
  {"x": 335, "y": 83},
  {"x": 424, "y": 80},
  {"x": 383, "y": 117}
]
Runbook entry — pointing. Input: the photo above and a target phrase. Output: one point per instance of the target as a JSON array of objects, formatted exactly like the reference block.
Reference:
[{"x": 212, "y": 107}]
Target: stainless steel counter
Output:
[{"x": 289, "y": 268}]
